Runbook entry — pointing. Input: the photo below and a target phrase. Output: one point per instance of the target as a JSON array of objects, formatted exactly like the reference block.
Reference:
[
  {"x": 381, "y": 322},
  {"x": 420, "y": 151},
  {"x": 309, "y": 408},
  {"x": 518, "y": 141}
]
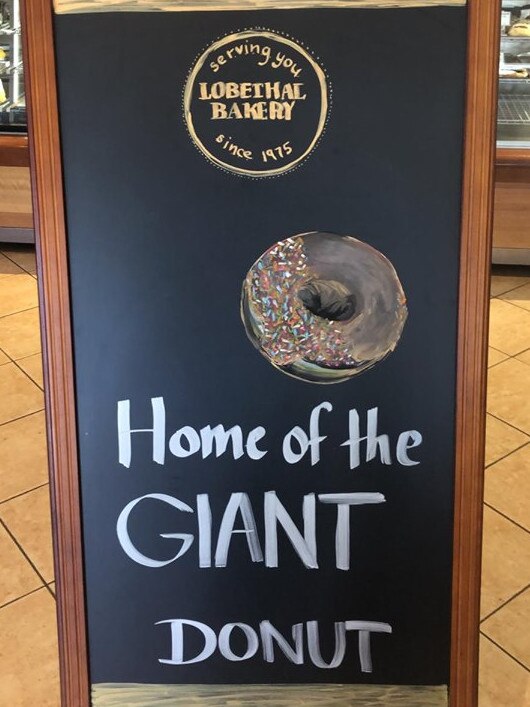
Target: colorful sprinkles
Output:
[{"x": 288, "y": 330}]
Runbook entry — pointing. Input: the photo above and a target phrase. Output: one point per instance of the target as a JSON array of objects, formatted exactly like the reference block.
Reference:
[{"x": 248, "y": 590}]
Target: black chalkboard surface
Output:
[{"x": 263, "y": 215}]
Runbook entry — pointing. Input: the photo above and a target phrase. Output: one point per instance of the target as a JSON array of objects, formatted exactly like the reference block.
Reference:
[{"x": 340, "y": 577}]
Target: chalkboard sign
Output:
[{"x": 264, "y": 240}]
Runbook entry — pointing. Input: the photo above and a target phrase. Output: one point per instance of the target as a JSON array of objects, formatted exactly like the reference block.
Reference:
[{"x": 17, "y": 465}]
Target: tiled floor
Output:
[
  {"x": 505, "y": 605},
  {"x": 28, "y": 646}
]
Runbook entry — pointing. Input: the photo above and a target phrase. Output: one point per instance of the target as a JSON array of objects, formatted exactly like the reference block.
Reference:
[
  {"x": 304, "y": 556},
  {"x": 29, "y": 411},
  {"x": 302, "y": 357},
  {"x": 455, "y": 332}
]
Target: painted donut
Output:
[{"x": 323, "y": 307}]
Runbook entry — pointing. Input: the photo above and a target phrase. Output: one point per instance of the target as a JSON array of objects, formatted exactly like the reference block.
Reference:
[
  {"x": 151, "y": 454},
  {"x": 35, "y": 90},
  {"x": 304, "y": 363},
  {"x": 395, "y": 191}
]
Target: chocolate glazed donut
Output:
[{"x": 323, "y": 307}]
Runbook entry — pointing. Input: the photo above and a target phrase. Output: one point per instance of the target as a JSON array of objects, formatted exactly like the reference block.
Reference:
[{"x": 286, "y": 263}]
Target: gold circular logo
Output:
[{"x": 256, "y": 103}]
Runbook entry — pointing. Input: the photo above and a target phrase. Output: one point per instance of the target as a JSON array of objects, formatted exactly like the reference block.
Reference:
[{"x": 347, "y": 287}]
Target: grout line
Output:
[
  {"x": 508, "y": 356},
  {"x": 13, "y": 538},
  {"x": 49, "y": 585},
  {"x": 514, "y": 522},
  {"x": 36, "y": 353},
  {"x": 505, "y": 651},
  {"x": 521, "y": 591},
  {"x": 23, "y": 268},
  {"x": 507, "y": 423},
  {"x": 15, "y": 419},
  {"x": 10, "y": 360},
  {"x": 500, "y": 459},
  {"x": 514, "y": 304},
  {"x": 499, "y": 362},
  {"x": 497, "y": 350},
  {"x": 23, "y": 493},
  {"x": 500, "y": 294},
  {"x": 28, "y": 309},
  {"x": 50, "y": 590},
  {"x": 26, "y": 373},
  {"x": 22, "y": 596},
  {"x": 526, "y": 363}
]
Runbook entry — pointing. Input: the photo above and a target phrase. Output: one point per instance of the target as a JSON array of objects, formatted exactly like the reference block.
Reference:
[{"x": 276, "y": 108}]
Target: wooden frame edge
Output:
[
  {"x": 54, "y": 297},
  {"x": 57, "y": 350},
  {"x": 473, "y": 316}
]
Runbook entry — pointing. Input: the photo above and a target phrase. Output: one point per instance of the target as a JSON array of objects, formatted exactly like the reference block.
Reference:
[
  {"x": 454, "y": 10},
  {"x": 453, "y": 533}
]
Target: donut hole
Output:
[{"x": 328, "y": 299}]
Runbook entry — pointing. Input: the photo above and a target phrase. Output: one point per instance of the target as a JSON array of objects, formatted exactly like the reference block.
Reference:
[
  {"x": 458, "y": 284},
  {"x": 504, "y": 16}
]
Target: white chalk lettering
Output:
[
  {"x": 224, "y": 642},
  {"x": 204, "y": 519},
  {"x": 406, "y": 441},
  {"x": 305, "y": 545},
  {"x": 158, "y": 431},
  {"x": 274, "y": 512},
  {"x": 253, "y": 438},
  {"x": 365, "y": 628},
  {"x": 191, "y": 445},
  {"x": 220, "y": 437},
  {"x": 238, "y": 502},
  {"x": 126, "y": 542},
  {"x": 268, "y": 632},
  {"x": 304, "y": 442},
  {"x": 343, "y": 502},
  {"x": 375, "y": 442},
  {"x": 177, "y": 641},
  {"x": 186, "y": 441},
  {"x": 313, "y": 645}
]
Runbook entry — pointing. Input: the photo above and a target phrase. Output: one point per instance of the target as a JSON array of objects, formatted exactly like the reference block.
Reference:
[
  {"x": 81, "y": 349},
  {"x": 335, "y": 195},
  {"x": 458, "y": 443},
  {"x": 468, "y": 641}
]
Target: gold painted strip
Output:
[
  {"x": 90, "y": 6},
  {"x": 136, "y": 695}
]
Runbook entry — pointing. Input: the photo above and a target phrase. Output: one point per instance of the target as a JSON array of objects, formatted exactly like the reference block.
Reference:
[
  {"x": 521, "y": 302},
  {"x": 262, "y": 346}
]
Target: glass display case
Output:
[
  {"x": 12, "y": 96},
  {"x": 511, "y": 222},
  {"x": 514, "y": 75}
]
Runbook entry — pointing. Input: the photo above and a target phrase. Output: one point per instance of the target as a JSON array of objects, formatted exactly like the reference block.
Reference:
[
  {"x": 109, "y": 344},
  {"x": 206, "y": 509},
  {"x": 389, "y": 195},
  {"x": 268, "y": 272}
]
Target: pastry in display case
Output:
[
  {"x": 511, "y": 229},
  {"x": 514, "y": 76}
]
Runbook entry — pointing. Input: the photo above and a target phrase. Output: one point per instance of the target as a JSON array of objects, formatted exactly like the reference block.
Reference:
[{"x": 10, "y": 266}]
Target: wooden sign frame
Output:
[{"x": 477, "y": 199}]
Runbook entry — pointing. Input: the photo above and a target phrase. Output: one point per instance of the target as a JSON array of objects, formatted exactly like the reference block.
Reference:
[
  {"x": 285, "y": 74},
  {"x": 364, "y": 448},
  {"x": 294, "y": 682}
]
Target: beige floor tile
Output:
[
  {"x": 18, "y": 289},
  {"x": 509, "y": 627},
  {"x": 508, "y": 398},
  {"x": 20, "y": 334},
  {"x": 28, "y": 518},
  {"x": 17, "y": 576},
  {"x": 508, "y": 486},
  {"x": 505, "y": 561},
  {"x": 52, "y": 587},
  {"x": 504, "y": 283},
  {"x": 509, "y": 328},
  {"x": 524, "y": 357},
  {"x": 502, "y": 681},
  {"x": 495, "y": 356},
  {"x": 520, "y": 296},
  {"x": 24, "y": 256},
  {"x": 28, "y": 653},
  {"x": 18, "y": 395},
  {"x": 23, "y": 460},
  {"x": 501, "y": 439},
  {"x": 33, "y": 367},
  {"x": 4, "y": 358}
]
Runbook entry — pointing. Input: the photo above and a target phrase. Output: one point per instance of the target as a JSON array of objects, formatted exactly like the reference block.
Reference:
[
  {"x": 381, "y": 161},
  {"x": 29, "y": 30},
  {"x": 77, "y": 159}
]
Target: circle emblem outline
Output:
[{"x": 190, "y": 82}]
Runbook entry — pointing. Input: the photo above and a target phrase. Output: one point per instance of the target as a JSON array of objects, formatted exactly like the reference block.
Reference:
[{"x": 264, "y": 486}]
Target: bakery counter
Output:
[
  {"x": 511, "y": 220},
  {"x": 16, "y": 215}
]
